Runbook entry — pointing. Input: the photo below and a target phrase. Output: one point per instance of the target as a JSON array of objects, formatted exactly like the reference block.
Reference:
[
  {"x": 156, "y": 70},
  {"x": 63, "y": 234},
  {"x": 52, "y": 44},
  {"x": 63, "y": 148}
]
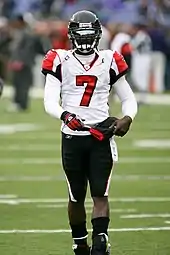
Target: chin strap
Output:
[
  {"x": 78, "y": 49},
  {"x": 83, "y": 53}
]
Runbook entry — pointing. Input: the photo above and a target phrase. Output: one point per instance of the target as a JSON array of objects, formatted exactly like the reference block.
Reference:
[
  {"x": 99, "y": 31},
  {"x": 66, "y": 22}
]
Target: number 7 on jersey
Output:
[{"x": 90, "y": 82}]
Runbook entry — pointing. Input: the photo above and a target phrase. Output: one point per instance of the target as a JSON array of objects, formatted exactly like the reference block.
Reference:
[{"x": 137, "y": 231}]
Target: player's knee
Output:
[
  {"x": 100, "y": 200},
  {"x": 78, "y": 196},
  {"x": 77, "y": 199},
  {"x": 100, "y": 203},
  {"x": 98, "y": 191}
]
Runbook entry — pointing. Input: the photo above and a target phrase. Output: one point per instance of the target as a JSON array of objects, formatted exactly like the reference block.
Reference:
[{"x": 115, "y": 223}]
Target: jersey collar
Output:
[{"x": 87, "y": 67}]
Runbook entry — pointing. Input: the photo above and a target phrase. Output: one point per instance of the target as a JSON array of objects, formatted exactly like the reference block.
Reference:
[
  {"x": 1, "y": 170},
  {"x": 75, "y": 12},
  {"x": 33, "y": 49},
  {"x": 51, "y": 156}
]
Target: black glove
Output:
[
  {"x": 1, "y": 86},
  {"x": 103, "y": 130},
  {"x": 72, "y": 121},
  {"x": 122, "y": 126}
]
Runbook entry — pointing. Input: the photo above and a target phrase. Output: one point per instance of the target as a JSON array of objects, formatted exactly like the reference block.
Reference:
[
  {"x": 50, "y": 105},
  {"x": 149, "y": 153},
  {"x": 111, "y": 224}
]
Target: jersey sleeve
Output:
[
  {"x": 118, "y": 67},
  {"x": 52, "y": 64}
]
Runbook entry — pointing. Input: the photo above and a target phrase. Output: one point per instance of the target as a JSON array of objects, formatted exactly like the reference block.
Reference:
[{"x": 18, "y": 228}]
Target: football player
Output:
[{"x": 82, "y": 78}]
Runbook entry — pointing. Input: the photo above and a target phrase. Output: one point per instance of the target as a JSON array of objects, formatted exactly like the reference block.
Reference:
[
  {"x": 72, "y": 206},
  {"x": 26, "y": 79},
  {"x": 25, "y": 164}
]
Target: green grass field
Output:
[{"x": 33, "y": 193}]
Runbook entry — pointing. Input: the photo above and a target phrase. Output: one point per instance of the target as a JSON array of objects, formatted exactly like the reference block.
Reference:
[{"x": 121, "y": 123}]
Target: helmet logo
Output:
[{"x": 85, "y": 25}]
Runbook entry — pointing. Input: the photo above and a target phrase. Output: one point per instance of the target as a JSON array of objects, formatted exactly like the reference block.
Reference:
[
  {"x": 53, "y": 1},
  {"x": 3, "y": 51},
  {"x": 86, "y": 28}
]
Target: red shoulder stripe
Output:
[
  {"x": 120, "y": 62},
  {"x": 48, "y": 61}
]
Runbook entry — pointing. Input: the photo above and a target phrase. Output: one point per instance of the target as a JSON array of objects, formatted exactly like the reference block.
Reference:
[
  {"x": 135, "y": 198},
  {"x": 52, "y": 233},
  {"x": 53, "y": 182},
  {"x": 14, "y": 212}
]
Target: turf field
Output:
[{"x": 33, "y": 193}]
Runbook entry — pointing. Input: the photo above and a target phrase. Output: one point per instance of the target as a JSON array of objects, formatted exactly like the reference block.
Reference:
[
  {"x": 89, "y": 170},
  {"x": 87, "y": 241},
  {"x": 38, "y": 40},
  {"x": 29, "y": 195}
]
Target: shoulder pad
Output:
[
  {"x": 118, "y": 63},
  {"x": 118, "y": 67},
  {"x": 53, "y": 58}
]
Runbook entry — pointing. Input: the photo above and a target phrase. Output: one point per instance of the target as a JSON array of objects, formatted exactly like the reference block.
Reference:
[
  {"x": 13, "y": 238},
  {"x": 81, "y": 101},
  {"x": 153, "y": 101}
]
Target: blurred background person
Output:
[
  {"x": 160, "y": 53},
  {"x": 121, "y": 42},
  {"x": 141, "y": 60},
  {"x": 21, "y": 61},
  {"x": 43, "y": 24},
  {"x": 5, "y": 39},
  {"x": 58, "y": 35},
  {"x": 23, "y": 49},
  {"x": 157, "y": 17},
  {"x": 1, "y": 86}
]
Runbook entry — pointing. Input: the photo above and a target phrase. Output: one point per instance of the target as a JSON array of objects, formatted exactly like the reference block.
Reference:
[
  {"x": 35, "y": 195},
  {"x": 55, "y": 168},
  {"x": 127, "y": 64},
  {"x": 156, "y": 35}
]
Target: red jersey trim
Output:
[
  {"x": 48, "y": 64},
  {"x": 48, "y": 61},
  {"x": 120, "y": 62}
]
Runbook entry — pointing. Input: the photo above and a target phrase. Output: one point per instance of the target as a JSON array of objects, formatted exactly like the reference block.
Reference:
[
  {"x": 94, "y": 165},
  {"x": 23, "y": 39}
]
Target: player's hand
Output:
[
  {"x": 103, "y": 130},
  {"x": 73, "y": 121},
  {"x": 122, "y": 126}
]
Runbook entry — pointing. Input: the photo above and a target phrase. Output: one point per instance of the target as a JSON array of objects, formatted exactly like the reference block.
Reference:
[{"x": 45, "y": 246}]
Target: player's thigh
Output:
[
  {"x": 101, "y": 163},
  {"x": 73, "y": 165}
]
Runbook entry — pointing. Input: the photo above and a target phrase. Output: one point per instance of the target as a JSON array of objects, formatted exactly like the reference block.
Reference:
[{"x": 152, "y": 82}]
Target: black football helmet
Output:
[{"x": 84, "y": 31}]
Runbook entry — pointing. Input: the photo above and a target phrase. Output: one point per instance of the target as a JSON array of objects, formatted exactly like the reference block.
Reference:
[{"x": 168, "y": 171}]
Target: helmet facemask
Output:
[{"x": 84, "y": 38}]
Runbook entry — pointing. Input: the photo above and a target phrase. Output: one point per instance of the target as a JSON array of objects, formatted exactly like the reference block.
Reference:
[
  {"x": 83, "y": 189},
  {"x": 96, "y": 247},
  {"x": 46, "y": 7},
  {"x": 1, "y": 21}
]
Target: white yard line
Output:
[
  {"x": 167, "y": 221},
  {"x": 30, "y": 161},
  {"x": 47, "y": 147},
  {"x": 145, "y": 160},
  {"x": 30, "y": 178},
  {"x": 122, "y": 160},
  {"x": 6, "y": 196},
  {"x": 116, "y": 210},
  {"x": 10, "y": 129},
  {"x": 152, "y": 143},
  {"x": 135, "y": 145},
  {"x": 59, "y": 231},
  {"x": 30, "y": 147},
  {"x": 21, "y": 178},
  {"x": 142, "y": 216},
  {"x": 55, "y": 137},
  {"x": 88, "y": 205},
  {"x": 42, "y": 137},
  {"x": 65, "y": 200},
  {"x": 140, "y": 199},
  {"x": 52, "y": 206}
]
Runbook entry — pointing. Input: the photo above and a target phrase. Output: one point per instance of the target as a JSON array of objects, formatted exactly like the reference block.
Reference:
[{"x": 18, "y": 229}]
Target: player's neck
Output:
[
  {"x": 77, "y": 52},
  {"x": 85, "y": 56},
  {"x": 85, "y": 59}
]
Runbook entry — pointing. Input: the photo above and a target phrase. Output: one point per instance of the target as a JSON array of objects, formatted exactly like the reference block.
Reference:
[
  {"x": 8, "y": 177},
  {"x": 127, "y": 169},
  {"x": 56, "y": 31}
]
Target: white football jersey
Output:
[{"x": 85, "y": 87}]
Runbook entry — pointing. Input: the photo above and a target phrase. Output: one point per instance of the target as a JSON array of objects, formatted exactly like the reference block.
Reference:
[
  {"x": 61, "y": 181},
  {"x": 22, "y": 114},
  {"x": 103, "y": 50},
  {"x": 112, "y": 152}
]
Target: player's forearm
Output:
[
  {"x": 129, "y": 107},
  {"x": 53, "y": 109},
  {"x": 127, "y": 98},
  {"x": 52, "y": 96}
]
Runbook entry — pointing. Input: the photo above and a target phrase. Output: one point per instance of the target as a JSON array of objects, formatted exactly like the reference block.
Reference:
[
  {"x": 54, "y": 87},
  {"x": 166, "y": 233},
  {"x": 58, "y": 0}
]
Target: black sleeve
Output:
[
  {"x": 114, "y": 78},
  {"x": 56, "y": 74}
]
